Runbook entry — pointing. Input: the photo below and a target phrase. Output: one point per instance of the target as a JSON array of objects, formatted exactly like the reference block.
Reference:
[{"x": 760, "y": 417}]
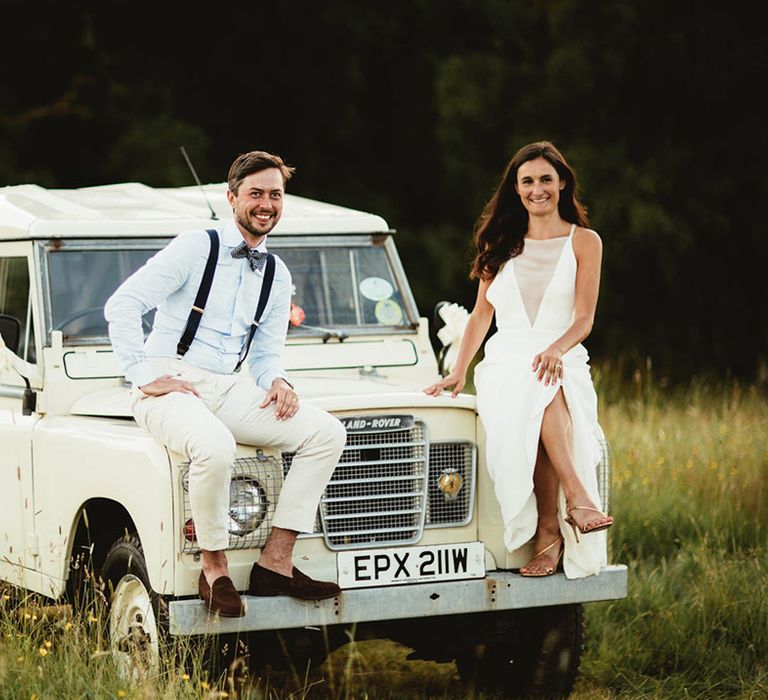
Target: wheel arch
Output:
[{"x": 99, "y": 523}]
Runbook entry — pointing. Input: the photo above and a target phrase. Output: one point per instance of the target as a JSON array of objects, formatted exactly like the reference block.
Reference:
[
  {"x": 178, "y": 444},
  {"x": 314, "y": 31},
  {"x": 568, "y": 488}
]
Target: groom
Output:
[{"x": 195, "y": 402}]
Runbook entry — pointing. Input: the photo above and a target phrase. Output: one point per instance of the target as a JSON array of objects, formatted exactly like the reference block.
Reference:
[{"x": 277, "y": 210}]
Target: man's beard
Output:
[{"x": 246, "y": 224}]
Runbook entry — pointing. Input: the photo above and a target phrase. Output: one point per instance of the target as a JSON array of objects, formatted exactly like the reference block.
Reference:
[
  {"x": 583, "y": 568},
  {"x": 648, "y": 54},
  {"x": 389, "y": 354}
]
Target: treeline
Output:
[{"x": 411, "y": 109}]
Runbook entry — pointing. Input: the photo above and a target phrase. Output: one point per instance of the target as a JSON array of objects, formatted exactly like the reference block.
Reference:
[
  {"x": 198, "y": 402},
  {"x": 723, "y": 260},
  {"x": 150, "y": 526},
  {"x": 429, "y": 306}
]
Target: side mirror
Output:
[{"x": 10, "y": 330}]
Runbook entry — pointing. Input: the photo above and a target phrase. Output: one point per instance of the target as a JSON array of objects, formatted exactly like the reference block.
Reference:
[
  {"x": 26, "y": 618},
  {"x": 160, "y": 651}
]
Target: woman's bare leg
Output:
[
  {"x": 557, "y": 438},
  {"x": 545, "y": 486}
]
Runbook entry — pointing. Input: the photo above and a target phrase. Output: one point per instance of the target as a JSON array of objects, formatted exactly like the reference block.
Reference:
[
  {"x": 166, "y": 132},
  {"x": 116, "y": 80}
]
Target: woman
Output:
[{"x": 539, "y": 271}]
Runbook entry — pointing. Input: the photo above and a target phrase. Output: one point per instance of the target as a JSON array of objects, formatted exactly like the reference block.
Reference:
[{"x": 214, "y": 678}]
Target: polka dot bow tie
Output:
[{"x": 256, "y": 260}]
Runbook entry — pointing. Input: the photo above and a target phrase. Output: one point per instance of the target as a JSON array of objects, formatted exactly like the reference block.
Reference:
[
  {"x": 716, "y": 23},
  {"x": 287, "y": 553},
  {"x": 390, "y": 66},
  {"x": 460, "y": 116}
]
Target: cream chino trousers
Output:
[{"x": 206, "y": 429}]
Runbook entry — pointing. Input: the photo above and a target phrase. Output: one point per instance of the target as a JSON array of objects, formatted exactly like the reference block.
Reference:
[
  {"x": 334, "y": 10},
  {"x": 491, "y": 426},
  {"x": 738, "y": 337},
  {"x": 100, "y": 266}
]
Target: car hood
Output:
[{"x": 331, "y": 394}]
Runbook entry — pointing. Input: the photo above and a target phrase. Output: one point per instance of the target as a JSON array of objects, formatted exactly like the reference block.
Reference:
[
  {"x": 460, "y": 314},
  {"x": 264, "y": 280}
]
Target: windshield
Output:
[
  {"x": 345, "y": 287},
  {"x": 81, "y": 281}
]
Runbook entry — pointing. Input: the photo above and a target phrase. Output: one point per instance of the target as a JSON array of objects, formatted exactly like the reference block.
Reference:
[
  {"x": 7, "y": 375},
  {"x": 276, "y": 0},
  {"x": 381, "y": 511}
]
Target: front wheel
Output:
[
  {"x": 133, "y": 610},
  {"x": 533, "y": 652}
]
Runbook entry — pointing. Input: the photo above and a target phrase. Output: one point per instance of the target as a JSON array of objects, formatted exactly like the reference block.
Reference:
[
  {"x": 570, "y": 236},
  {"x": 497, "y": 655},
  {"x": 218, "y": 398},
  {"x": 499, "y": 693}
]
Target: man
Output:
[{"x": 199, "y": 406}]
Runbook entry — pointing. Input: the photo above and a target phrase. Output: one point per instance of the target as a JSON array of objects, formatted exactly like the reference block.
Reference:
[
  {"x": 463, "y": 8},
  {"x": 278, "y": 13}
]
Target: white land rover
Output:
[{"x": 409, "y": 525}]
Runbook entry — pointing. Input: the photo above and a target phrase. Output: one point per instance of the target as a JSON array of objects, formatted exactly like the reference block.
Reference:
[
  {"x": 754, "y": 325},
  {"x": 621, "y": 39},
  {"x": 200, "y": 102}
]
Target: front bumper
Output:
[{"x": 499, "y": 590}]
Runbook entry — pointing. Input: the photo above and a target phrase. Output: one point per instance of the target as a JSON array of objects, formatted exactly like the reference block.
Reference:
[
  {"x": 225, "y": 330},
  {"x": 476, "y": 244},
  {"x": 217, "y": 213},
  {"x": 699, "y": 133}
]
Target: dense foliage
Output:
[{"x": 411, "y": 109}]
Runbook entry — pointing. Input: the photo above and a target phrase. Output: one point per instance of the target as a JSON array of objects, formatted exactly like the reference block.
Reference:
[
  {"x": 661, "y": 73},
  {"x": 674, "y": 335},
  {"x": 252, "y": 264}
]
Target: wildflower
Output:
[
  {"x": 204, "y": 685},
  {"x": 92, "y": 618},
  {"x": 6, "y": 596},
  {"x": 68, "y": 627},
  {"x": 185, "y": 676},
  {"x": 47, "y": 643},
  {"x": 42, "y": 651},
  {"x": 121, "y": 693},
  {"x": 19, "y": 659},
  {"x": 27, "y": 616}
]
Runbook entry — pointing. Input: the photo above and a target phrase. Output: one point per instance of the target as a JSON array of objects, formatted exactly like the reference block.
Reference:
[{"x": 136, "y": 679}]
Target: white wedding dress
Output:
[{"x": 533, "y": 295}]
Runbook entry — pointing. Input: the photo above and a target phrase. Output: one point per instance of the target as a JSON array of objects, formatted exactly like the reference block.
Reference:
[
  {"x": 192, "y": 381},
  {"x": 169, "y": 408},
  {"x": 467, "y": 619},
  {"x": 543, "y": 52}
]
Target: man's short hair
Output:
[{"x": 253, "y": 162}]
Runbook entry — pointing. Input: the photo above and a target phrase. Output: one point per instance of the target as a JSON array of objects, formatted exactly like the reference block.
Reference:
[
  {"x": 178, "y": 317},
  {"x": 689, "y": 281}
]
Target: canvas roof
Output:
[{"x": 132, "y": 209}]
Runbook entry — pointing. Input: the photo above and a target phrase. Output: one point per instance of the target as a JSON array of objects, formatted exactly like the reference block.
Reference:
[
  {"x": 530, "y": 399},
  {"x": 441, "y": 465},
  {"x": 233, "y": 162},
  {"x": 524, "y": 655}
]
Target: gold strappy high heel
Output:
[
  {"x": 585, "y": 529},
  {"x": 551, "y": 570}
]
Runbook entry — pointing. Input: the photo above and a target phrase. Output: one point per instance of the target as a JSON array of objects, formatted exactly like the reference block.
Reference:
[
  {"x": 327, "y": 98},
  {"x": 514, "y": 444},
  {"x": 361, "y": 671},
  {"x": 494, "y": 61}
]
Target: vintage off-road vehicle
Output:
[{"x": 409, "y": 525}]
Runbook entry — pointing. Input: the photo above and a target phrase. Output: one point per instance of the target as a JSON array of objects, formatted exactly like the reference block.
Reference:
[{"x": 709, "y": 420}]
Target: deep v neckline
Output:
[{"x": 558, "y": 265}]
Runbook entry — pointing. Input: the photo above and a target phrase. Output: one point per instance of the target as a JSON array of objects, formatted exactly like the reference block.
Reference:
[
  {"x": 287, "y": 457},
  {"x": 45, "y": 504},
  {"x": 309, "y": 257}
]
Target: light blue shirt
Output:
[{"x": 169, "y": 282}]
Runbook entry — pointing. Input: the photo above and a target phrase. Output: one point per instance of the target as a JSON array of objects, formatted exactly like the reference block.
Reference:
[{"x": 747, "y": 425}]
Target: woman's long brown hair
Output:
[{"x": 500, "y": 231}]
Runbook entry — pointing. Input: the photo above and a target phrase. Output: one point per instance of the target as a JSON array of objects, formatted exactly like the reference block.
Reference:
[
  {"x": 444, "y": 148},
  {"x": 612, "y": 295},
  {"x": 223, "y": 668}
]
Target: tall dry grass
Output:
[
  {"x": 691, "y": 505},
  {"x": 692, "y": 508}
]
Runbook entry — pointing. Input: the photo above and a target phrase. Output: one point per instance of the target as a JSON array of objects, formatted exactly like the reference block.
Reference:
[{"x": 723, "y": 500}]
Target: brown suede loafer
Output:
[
  {"x": 222, "y": 598},
  {"x": 265, "y": 582}
]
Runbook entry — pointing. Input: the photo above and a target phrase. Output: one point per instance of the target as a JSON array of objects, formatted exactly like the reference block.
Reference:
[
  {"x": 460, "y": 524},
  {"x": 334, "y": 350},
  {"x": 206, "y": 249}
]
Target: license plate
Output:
[{"x": 397, "y": 565}]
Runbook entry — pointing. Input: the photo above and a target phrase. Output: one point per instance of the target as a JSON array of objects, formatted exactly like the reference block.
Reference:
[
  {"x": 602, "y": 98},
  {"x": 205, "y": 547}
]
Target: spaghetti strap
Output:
[{"x": 571, "y": 232}]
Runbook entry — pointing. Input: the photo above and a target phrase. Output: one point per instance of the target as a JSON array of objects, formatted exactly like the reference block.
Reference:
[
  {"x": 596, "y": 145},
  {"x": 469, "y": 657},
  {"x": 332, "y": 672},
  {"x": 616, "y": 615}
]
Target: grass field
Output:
[{"x": 691, "y": 505}]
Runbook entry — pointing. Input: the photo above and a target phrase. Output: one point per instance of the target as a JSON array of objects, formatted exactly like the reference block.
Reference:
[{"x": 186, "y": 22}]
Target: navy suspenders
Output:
[
  {"x": 266, "y": 286},
  {"x": 193, "y": 321}
]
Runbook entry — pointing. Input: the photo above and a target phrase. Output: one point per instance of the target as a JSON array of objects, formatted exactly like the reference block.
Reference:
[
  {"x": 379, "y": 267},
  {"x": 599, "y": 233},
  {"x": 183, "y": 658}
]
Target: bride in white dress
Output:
[{"x": 539, "y": 272}]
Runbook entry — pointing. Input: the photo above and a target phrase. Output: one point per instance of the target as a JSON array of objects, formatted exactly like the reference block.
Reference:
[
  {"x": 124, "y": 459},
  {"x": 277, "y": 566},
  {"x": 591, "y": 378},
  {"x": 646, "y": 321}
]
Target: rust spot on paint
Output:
[{"x": 490, "y": 585}]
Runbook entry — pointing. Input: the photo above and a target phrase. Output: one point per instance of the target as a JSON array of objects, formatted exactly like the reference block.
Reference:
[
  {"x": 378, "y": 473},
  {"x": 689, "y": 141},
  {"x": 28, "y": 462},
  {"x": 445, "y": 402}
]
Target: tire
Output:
[
  {"x": 534, "y": 652},
  {"x": 137, "y": 615}
]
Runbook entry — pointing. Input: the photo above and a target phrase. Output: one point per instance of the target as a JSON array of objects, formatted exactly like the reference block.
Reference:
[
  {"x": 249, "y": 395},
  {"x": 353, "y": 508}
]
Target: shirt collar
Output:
[{"x": 231, "y": 237}]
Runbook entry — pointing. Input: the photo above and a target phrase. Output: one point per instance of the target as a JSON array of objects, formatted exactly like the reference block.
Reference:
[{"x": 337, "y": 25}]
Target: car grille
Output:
[
  {"x": 377, "y": 494},
  {"x": 451, "y": 459}
]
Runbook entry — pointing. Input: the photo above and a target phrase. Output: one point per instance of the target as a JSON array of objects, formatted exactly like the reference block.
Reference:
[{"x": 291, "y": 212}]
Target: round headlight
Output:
[{"x": 247, "y": 506}]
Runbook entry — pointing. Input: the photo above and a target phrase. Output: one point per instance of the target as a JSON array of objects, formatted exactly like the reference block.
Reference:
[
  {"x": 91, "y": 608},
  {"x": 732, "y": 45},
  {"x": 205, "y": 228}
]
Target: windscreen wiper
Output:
[{"x": 328, "y": 333}]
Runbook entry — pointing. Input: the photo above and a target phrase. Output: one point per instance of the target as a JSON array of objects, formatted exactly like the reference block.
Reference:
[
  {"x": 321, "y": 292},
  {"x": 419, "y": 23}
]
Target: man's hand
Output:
[
  {"x": 286, "y": 399},
  {"x": 166, "y": 384}
]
